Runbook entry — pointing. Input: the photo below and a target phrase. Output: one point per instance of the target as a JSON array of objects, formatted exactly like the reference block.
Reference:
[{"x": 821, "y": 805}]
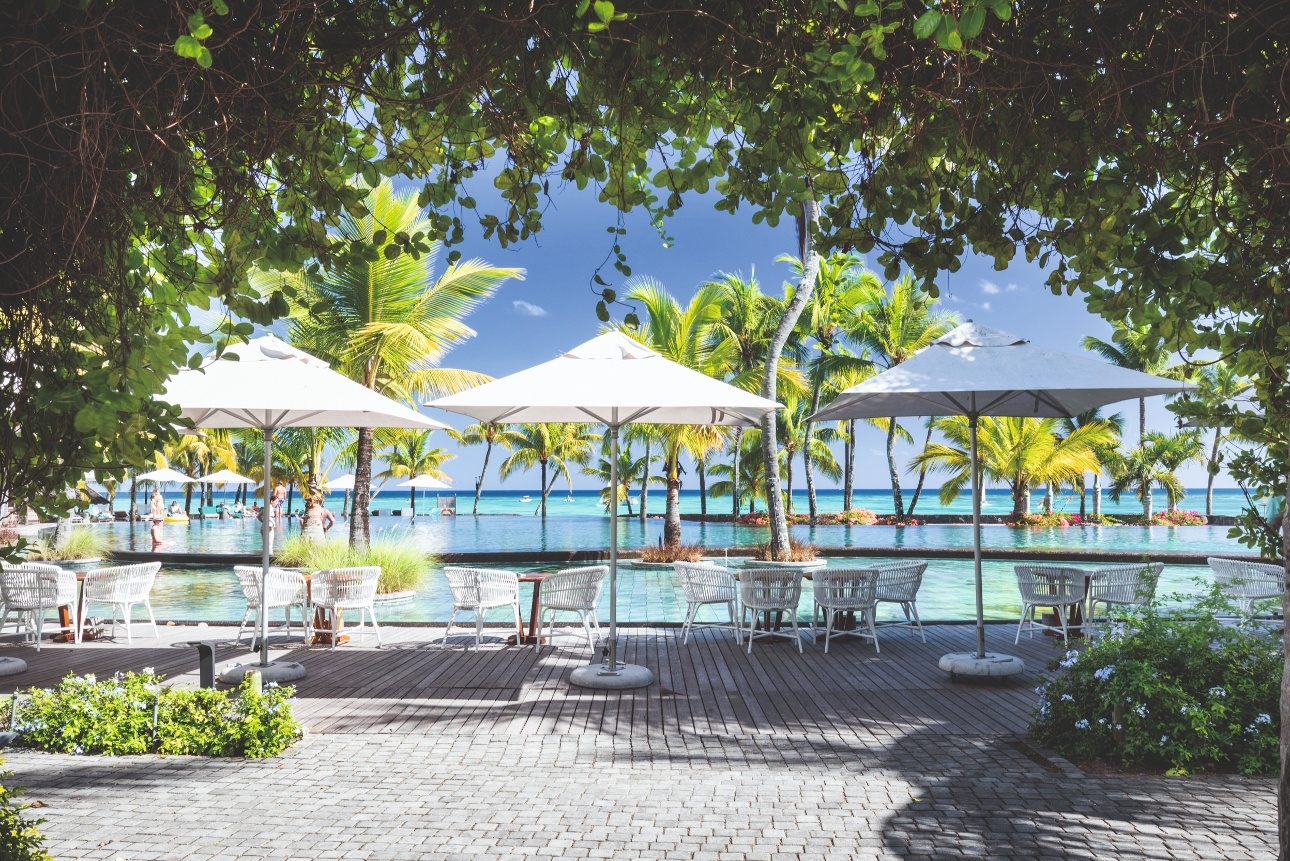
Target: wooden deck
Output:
[{"x": 708, "y": 687}]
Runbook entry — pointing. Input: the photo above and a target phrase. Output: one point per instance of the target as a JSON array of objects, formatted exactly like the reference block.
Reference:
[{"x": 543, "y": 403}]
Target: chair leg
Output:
[
  {"x": 1061, "y": 617},
  {"x": 586, "y": 626},
  {"x": 1020, "y": 623},
  {"x": 828, "y": 627},
  {"x": 452, "y": 617},
  {"x": 752, "y": 627},
  {"x": 479, "y": 626},
  {"x": 147, "y": 605},
  {"x": 371, "y": 614},
  {"x": 734, "y": 623},
  {"x": 519, "y": 621},
  {"x": 873, "y": 629},
  {"x": 40, "y": 628},
  {"x": 125, "y": 612},
  {"x": 690, "y": 612},
  {"x": 917, "y": 621},
  {"x": 242, "y": 627},
  {"x": 797, "y": 635}
]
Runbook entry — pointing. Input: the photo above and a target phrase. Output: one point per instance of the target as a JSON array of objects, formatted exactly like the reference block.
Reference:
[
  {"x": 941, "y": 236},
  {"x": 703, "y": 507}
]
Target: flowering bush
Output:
[
  {"x": 1057, "y": 518},
  {"x": 134, "y": 713},
  {"x": 1160, "y": 689},
  {"x": 1179, "y": 518},
  {"x": 755, "y": 519},
  {"x": 20, "y": 838},
  {"x": 890, "y": 520}
]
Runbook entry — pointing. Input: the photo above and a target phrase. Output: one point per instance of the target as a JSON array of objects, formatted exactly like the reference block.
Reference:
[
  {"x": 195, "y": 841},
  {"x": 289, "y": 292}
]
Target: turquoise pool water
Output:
[
  {"x": 643, "y": 595},
  {"x": 465, "y": 534}
]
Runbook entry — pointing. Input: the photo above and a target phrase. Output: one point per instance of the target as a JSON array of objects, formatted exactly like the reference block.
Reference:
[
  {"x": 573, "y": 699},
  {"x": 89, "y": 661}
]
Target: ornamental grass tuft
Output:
[
  {"x": 1178, "y": 690},
  {"x": 673, "y": 553},
  {"x": 83, "y": 542},
  {"x": 403, "y": 565}
]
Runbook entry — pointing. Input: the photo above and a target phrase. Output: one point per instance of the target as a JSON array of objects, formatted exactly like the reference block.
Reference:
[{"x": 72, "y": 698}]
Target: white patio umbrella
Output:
[
  {"x": 345, "y": 482},
  {"x": 268, "y": 384},
  {"x": 163, "y": 475},
  {"x": 423, "y": 482},
  {"x": 225, "y": 477},
  {"x": 976, "y": 371},
  {"x": 614, "y": 381}
]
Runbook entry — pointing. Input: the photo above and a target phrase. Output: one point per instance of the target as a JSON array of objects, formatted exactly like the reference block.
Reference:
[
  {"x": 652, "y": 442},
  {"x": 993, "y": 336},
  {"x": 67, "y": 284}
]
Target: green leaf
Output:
[
  {"x": 583, "y": 6},
  {"x": 927, "y": 23},
  {"x": 195, "y": 21},
  {"x": 631, "y": 319},
  {"x": 595, "y": 27},
  {"x": 604, "y": 11},
  {"x": 220, "y": 7},
  {"x": 602, "y": 312},
  {"x": 187, "y": 46},
  {"x": 608, "y": 295},
  {"x": 972, "y": 21},
  {"x": 204, "y": 58}
]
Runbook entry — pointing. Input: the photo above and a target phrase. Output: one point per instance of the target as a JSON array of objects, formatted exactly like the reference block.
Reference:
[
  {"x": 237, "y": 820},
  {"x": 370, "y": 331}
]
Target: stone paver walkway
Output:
[{"x": 490, "y": 754}]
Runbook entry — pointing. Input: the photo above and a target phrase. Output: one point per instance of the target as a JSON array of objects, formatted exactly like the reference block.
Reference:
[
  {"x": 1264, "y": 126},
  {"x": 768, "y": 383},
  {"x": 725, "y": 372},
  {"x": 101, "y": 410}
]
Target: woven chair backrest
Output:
[
  {"x": 771, "y": 588},
  {"x": 899, "y": 581},
  {"x": 121, "y": 584},
  {"x": 1248, "y": 579},
  {"x": 25, "y": 587},
  {"x": 285, "y": 588},
  {"x": 846, "y": 588},
  {"x": 248, "y": 577},
  {"x": 574, "y": 588},
  {"x": 1051, "y": 585},
  {"x": 703, "y": 583},
  {"x": 481, "y": 587},
  {"x": 346, "y": 587},
  {"x": 67, "y": 585},
  {"x": 1126, "y": 584}
]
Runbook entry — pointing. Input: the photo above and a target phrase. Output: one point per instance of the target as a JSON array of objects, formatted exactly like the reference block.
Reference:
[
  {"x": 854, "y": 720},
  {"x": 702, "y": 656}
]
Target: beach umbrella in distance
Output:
[
  {"x": 163, "y": 475},
  {"x": 268, "y": 384},
  {"x": 225, "y": 477},
  {"x": 976, "y": 371},
  {"x": 615, "y": 381},
  {"x": 345, "y": 483},
  {"x": 422, "y": 482}
]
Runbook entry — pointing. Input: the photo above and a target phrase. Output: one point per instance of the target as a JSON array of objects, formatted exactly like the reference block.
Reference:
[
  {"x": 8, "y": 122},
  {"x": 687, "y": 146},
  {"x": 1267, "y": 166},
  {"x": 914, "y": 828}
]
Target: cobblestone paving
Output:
[{"x": 503, "y": 788}]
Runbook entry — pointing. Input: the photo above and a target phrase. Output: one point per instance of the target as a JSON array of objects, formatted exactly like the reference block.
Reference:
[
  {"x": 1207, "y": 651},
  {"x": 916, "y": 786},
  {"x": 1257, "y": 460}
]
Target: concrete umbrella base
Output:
[
  {"x": 12, "y": 666},
  {"x": 992, "y": 666},
  {"x": 629, "y": 676},
  {"x": 281, "y": 672}
]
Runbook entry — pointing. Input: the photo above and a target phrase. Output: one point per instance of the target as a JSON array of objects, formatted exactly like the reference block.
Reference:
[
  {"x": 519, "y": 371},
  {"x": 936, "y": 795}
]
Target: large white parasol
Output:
[
  {"x": 614, "y": 381},
  {"x": 269, "y": 384},
  {"x": 976, "y": 371}
]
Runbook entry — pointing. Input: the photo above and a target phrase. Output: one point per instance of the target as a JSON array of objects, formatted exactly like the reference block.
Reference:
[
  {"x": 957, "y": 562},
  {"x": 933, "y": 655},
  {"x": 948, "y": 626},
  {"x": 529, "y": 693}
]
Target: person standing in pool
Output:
[
  {"x": 158, "y": 514},
  {"x": 279, "y": 498}
]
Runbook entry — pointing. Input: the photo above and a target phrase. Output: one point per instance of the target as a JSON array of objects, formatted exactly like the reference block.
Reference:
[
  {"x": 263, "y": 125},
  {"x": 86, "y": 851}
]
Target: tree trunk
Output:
[
  {"x": 734, "y": 474},
  {"x": 62, "y": 533},
  {"x": 672, "y": 518},
  {"x": 922, "y": 471},
  {"x": 1020, "y": 499},
  {"x": 808, "y": 466},
  {"x": 1048, "y": 499},
  {"x": 291, "y": 497},
  {"x": 1142, "y": 420},
  {"x": 412, "y": 500},
  {"x": 1283, "y": 782},
  {"x": 311, "y": 522},
  {"x": 769, "y": 442},
  {"x": 188, "y": 498},
  {"x": 645, "y": 483},
  {"x": 848, "y": 465},
  {"x": 703, "y": 487},
  {"x": 1147, "y": 502},
  {"x": 1212, "y": 469},
  {"x": 542, "y": 504},
  {"x": 134, "y": 497},
  {"x": 897, "y": 503},
  {"x": 1097, "y": 496},
  {"x": 479, "y": 482},
  {"x": 788, "y": 479},
  {"x": 360, "y": 534},
  {"x": 1083, "y": 497}
]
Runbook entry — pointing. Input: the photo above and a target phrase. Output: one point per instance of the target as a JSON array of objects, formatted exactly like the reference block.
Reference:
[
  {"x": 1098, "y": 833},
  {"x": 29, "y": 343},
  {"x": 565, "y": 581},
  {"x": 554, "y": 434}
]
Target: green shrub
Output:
[
  {"x": 83, "y": 542},
  {"x": 117, "y": 716},
  {"x": 403, "y": 565},
  {"x": 20, "y": 838},
  {"x": 1163, "y": 689}
]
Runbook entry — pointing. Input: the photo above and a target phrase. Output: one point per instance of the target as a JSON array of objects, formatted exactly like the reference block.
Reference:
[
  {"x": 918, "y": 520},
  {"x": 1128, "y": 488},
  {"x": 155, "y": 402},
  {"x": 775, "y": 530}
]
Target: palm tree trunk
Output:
[
  {"x": 1048, "y": 499},
  {"x": 848, "y": 464},
  {"x": 134, "y": 496},
  {"x": 412, "y": 500},
  {"x": 360, "y": 534},
  {"x": 188, "y": 498},
  {"x": 778, "y": 521},
  {"x": 1020, "y": 499},
  {"x": 812, "y": 508},
  {"x": 1212, "y": 469},
  {"x": 479, "y": 482},
  {"x": 311, "y": 522},
  {"x": 734, "y": 474},
  {"x": 291, "y": 497},
  {"x": 897, "y": 503},
  {"x": 1097, "y": 496},
  {"x": 703, "y": 488},
  {"x": 1083, "y": 497},
  {"x": 542, "y": 504},
  {"x": 672, "y": 515},
  {"x": 645, "y": 483},
  {"x": 922, "y": 471},
  {"x": 788, "y": 477},
  {"x": 1147, "y": 502},
  {"x": 1142, "y": 420}
]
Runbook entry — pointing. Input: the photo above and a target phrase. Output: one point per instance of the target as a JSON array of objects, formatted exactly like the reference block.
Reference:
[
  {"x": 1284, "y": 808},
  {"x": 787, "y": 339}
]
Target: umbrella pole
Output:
[
  {"x": 266, "y": 541},
  {"x": 976, "y": 542},
  {"x": 612, "y": 666}
]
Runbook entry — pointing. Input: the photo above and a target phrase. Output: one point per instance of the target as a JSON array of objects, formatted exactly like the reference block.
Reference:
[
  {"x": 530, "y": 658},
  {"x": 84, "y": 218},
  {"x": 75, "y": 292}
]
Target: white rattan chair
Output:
[
  {"x": 338, "y": 589},
  {"x": 68, "y": 592},
  {"x": 898, "y": 583},
  {"x": 846, "y": 590},
  {"x": 122, "y": 587},
  {"x": 1122, "y": 586},
  {"x": 573, "y": 590},
  {"x": 1247, "y": 582},
  {"x": 29, "y": 592},
  {"x": 705, "y": 583},
  {"x": 770, "y": 591},
  {"x": 478, "y": 590},
  {"x": 1048, "y": 586},
  {"x": 286, "y": 591}
]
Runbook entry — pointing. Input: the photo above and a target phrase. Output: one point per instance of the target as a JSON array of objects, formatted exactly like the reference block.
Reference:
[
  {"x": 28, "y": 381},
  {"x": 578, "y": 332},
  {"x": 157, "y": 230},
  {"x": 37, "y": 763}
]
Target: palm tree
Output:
[
  {"x": 751, "y": 481},
  {"x": 407, "y": 454},
  {"x": 1020, "y": 452},
  {"x": 796, "y": 438},
  {"x": 1219, "y": 386},
  {"x": 646, "y": 435},
  {"x": 1139, "y": 348},
  {"x": 892, "y": 328},
  {"x": 1069, "y": 426},
  {"x": 841, "y": 286},
  {"x": 190, "y": 454},
  {"x": 682, "y": 335},
  {"x": 1173, "y": 452},
  {"x": 1141, "y": 470},
  {"x": 550, "y": 446},
  {"x": 487, "y": 434},
  {"x": 631, "y": 469},
  {"x": 384, "y": 320}
]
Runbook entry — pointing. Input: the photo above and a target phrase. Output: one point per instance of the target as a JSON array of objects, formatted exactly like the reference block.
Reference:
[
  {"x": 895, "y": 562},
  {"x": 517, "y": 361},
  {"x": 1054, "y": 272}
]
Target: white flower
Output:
[
  {"x": 1263, "y": 718},
  {"x": 1217, "y": 692},
  {"x": 1104, "y": 673},
  {"x": 1067, "y": 698},
  {"x": 271, "y": 685},
  {"x": 89, "y": 678},
  {"x": 149, "y": 671},
  {"x": 1164, "y": 739},
  {"x": 1140, "y": 710},
  {"x": 1101, "y": 720},
  {"x": 1070, "y": 659},
  {"x": 1081, "y": 724},
  {"x": 1186, "y": 709}
]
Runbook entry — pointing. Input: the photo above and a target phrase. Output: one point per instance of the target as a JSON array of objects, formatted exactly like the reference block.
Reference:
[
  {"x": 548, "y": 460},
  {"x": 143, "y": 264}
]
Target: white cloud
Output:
[
  {"x": 989, "y": 288},
  {"x": 528, "y": 309},
  {"x": 985, "y": 306},
  {"x": 1011, "y": 288}
]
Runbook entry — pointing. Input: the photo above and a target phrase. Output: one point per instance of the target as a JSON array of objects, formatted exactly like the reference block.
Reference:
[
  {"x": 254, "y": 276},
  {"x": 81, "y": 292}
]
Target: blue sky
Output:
[{"x": 553, "y": 309}]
